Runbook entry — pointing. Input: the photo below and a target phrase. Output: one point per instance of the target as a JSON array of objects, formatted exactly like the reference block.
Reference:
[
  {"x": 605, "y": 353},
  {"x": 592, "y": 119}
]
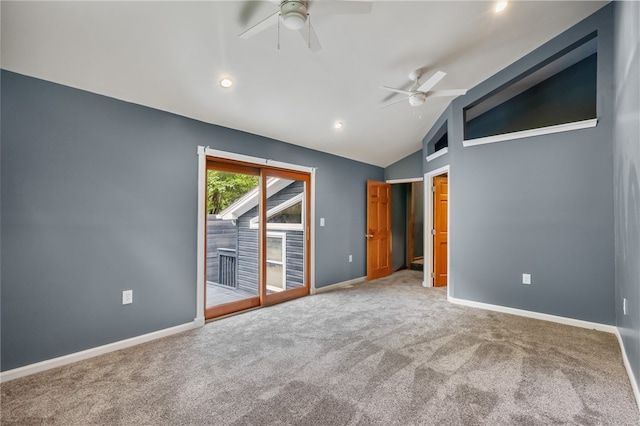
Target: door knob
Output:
[{"x": 368, "y": 235}]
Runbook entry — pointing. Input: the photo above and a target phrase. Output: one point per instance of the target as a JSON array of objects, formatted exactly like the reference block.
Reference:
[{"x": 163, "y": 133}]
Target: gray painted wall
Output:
[
  {"x": 407, "y": 168},
  {"x": 541, "y": 205},
  {"x": 626, "y": 176},
  {"x": 99, "y": 196}
]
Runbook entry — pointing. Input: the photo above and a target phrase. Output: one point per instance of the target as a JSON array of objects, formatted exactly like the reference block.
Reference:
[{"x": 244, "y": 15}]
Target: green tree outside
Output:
[{"x": 223, "y": 188}]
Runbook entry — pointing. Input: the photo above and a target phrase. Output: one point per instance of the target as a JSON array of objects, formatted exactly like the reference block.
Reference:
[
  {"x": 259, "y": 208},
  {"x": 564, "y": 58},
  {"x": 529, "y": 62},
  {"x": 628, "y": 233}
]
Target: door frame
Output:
[
  {"x": 201, "y": 264},
  {"x": 428, "y": 220}
]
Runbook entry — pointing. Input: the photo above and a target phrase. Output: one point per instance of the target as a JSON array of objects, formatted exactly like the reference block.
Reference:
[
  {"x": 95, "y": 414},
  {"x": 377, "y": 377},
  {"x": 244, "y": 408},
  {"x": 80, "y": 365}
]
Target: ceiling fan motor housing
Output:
[{"x": 294, "y": 14}]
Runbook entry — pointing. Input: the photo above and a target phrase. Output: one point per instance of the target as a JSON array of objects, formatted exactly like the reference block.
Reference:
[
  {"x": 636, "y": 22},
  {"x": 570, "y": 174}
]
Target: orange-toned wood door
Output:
[
  {"x": 440, "y": 226},
  {"x": 378, "y": 229}
]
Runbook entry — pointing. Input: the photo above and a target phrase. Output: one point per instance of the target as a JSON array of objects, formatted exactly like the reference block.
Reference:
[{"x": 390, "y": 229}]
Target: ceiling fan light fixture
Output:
[
  {"x": 226, "y": 83},
  {"x": 417, "y": 99},
  {"x": 338, "y": 125},
  {"x": 294, "y": 20}
]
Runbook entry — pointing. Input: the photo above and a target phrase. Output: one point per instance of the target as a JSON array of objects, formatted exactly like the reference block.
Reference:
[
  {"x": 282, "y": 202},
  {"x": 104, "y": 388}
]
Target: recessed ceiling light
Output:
[
  {"x": 500, "y": 6},
  {"x": 226, "y": 83},
  {"x": 338, "y": 125}
]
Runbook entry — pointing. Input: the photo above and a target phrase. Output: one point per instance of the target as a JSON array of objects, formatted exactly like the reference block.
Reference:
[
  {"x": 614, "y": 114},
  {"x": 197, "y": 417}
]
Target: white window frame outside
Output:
[
  {"x": 283, "y": 237},
  {"x": 254, "y": 223}
]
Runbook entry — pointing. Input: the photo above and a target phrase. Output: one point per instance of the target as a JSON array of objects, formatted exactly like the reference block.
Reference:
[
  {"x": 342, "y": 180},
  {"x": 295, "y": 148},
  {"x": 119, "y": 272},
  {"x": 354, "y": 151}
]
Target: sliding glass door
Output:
[
  {"x": 233, "y": 191},
  {"x": 287, "y": 238},
  {"x": 257, "y": 238}
]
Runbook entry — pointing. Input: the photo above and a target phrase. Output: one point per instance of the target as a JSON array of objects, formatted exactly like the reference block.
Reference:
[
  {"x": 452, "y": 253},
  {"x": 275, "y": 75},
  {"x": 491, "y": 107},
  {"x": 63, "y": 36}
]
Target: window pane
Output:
[
  {"x": 274, "y": 275},
  {"x": 291, "y": 214},
  {"x": 274, "y": 249}
]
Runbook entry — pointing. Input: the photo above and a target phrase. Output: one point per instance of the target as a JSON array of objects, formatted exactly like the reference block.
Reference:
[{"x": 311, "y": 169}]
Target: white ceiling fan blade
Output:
[
  {"x": 261, "y": 26},
  {"x": 397, "y": 101},
  {"x": 432, "y": 81},
  {"x": 333, "y": 7},
  {"x": 310, "y": 37},
  {"x": 452, "y": 92},
  {"x": 247, "y": 11},
  {"x": 404, "y": 92}
]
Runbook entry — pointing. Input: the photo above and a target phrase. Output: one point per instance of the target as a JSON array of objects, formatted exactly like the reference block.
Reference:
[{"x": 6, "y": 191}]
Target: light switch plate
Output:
[{"x": 526, "y": 279}]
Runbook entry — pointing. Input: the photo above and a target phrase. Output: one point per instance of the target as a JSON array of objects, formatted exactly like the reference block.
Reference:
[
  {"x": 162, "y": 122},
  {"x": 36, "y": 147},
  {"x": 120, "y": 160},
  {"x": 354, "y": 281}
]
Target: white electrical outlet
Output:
[
  {"x": 526, "y": 279},
  {"x": 350, "y": 258},
  {"x": 127, "y": 297},
  {"x": 624, "y": 306}
]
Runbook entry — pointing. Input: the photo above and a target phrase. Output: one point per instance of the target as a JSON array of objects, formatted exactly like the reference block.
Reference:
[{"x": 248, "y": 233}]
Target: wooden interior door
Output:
[
  {"x": 440, "y": 226},
  {"x": 378, "y": 229}
]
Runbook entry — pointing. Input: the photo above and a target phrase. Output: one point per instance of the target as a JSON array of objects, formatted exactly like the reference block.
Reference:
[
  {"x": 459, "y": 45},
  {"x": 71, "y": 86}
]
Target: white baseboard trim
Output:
[
  {"x": 536, "y": 315},
  {"x": 338, "y": 285},
  {"x": 37, "y": 367},
  {"x": 627, "y": 365}
]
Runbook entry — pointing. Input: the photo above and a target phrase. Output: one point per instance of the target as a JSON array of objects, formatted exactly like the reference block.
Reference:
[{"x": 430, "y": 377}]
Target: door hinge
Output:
[
  {"x": 433, "y": 232},
  {"x": 433, "y": 275},
  {"x": 433, "y": 189}
]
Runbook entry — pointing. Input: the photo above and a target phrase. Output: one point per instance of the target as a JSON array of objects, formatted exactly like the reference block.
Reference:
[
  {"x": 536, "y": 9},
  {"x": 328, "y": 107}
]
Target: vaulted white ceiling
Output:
[{"x": 171, "y": 56}]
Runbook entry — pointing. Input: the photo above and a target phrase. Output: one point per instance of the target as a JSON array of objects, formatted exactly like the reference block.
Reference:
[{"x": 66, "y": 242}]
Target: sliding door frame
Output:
[{"x": 267, "y": 168}]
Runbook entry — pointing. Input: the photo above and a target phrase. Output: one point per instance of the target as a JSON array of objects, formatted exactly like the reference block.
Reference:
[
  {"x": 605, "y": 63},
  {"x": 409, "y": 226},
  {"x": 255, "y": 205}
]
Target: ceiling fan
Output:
[
  {"x": 294, "y": 14},
  {"x": 418, "y": 93}
]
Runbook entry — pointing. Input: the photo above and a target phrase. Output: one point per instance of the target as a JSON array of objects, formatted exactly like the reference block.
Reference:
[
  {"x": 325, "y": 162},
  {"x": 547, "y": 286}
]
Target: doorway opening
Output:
[
  {"x": 407, "y": 223},
  {"x": 415, "y": 226}
]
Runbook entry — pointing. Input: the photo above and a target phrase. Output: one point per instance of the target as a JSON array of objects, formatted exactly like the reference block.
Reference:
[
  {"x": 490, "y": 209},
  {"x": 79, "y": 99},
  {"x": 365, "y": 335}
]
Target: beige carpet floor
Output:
[{"x": 387, "y": 352}]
